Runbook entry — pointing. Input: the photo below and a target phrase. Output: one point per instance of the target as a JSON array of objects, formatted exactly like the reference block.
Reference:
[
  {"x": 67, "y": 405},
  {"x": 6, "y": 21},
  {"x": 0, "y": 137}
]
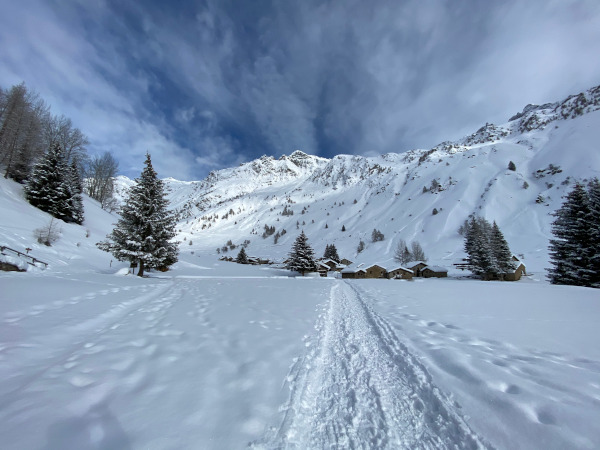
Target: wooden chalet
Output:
[
  {"x": 400, "y": 273},
  {"x": 345, "y": 262},
  {"x": 333, "y": 265},
  {"x": 416, "y": 267},
  {"x": 354, "y": 273},
  {"x": 518, "y": 273},
  {"x": 322, "y": 268},
  {"x": 375, "y": 271},
  {"x": 434, "y": 272}
]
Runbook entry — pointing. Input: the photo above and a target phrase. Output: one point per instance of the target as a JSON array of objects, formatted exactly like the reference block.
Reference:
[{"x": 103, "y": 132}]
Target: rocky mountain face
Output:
[{"x": 422, "y": 195}]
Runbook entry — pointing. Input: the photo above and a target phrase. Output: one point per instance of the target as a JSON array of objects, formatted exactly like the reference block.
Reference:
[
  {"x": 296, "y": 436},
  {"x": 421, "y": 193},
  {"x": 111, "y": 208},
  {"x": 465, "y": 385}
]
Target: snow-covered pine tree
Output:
[
  {"x": 501, "y": 251},
  {"x": 242, "y": 257},
  {"x": 377, "y": 235},
  {"x": 302, "y": 256},
  {"x": 76, "y": 186},
  {"x": 48, "y": 188},
  {"x": 571, "y": 250},
  {"x": 331, "y": 253},
  {"x": 594, "y": 199},
  {"x": 478, "y": 247},
  {"x": 143, "y": 235}
]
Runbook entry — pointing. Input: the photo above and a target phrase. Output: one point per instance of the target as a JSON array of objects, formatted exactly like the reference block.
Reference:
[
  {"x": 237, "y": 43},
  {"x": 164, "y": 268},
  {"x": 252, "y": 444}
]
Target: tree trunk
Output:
[{"x": 141, "y": 271}]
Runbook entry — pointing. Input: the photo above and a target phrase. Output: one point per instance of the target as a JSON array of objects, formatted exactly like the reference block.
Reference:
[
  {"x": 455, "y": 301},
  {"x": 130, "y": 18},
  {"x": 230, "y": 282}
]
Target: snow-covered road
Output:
[{"x": 358, "y": 387}]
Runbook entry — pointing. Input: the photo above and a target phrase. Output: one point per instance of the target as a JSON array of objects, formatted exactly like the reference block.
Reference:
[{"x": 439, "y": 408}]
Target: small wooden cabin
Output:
[
  {"x": 333, "y": 265},
  {"x": 354, "y": 273},
  {"x": 434, "y": 272},
  {"x": 416, "y": 267},
  {"x": 345, "y": 262},
  {"x": 376, "y": 271},
  {"x": 517, "y": 274},
  {"x": 400, "y": 273},
  {"x": 323, "y": 268}
]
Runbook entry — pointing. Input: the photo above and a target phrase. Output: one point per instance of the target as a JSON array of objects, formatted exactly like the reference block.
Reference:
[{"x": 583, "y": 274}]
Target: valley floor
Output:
[{"x": 226, "y": 356}]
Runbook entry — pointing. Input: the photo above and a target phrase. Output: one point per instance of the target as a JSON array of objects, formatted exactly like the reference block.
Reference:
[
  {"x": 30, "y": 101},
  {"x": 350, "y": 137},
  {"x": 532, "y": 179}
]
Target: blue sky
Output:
[{"x": 204, "y": 85}]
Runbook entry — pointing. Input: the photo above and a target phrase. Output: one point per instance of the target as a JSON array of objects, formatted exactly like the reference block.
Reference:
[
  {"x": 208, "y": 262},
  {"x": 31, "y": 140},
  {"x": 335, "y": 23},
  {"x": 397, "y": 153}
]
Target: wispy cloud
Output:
[{"x": 204, "y": 85}]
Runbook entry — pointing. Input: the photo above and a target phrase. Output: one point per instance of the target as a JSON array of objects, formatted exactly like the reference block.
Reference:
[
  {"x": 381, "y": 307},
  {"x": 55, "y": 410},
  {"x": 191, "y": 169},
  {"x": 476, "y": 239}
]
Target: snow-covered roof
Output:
[
  {"x": 437, "y": 268},
  {"x": 517, "y": 259},
  {"x": 414, "y": 263},
  {"x": 328, "y": 260},
  {"x": 374, "y": 264},
  {"x": 392, "y": 268},
  {"x": 352, "y": 270}
]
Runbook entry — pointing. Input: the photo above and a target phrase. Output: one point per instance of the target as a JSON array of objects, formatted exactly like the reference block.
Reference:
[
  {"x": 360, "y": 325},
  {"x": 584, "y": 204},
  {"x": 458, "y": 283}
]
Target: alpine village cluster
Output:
[{"x": 48, "y": 155}]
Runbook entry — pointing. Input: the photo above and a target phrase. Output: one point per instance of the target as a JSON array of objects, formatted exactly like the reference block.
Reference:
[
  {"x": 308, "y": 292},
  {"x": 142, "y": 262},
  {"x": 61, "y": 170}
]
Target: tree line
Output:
[{"x": 34, "y": 143}]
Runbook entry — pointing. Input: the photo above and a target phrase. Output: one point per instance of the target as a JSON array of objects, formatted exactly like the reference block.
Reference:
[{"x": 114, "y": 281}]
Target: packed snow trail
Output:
[{"x": 360, "y": 388}]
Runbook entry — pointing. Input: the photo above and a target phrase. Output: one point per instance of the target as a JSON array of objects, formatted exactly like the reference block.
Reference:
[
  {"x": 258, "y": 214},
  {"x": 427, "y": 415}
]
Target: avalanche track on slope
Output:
[{"x": 360, "y": 388}]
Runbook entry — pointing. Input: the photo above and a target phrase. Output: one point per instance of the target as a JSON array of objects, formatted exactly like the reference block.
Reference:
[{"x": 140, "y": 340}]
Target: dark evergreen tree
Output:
[
  {"x": 343, "y": 228},
  {"x": 594, "y": 200},
  {"x": 74, "y": 180},
  {"x": 501, "y": 252},
  {"x": 361, "y": 246},
  {"x": 302, "y": 256},
  {"x": 143, "y": 235},
  {"x": 571, "y": 250},
  {"x": 488, "y": 254},
  {"x": 242, "y": 257},
  {"x": 331, "y": 253},
  {"x": 377, "y": 235},
  {"x": 49, "y": 188}
]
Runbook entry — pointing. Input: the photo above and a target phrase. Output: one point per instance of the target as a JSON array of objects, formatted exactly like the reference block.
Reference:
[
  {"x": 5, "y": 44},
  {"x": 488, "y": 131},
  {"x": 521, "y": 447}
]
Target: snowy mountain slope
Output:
[
  {"x": 552, "y": 146},
  {"x": 76, "y": 245}
]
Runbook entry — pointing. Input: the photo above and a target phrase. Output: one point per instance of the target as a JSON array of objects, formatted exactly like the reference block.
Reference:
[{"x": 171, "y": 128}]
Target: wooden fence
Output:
[{"x": 28, "y": 259}]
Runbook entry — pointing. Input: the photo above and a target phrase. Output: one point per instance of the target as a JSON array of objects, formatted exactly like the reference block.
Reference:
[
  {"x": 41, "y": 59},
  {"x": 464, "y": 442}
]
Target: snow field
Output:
[
  {"x": 522, "y": 359},
  {"x": 148, "y": 363},
  {"x": 218, "y": 355}
]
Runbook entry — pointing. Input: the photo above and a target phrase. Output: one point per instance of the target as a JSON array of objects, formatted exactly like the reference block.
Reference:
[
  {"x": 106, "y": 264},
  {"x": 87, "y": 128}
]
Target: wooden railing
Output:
[{"x": 28, "y": 259}]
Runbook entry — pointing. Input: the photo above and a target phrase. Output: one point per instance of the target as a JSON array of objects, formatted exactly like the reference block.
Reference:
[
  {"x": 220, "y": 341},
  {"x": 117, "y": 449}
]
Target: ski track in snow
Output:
[{"x": 358, "y": 387}]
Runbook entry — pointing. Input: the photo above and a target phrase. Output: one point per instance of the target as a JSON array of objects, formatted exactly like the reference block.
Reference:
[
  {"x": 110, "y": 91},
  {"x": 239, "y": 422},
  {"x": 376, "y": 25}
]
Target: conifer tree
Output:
[
  {"x": 76, "y": 186},
  {"x": 49, "y": 188},
  {"x": 331, "y": 253},
  {"x": 302, "y": 256},
  {"x": 571, "y": 250},
  {"x": 143, "y": 235},
  {"x": 487, "y": 250},
  {"x": 242, "y": 257},
  {"x": 594, "y": 201},
  {"x": 500, "y": 250}
]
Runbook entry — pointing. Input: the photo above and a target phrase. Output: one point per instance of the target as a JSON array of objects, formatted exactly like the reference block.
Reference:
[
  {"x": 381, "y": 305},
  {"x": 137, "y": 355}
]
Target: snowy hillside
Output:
[{"x": 551, "y": 145}]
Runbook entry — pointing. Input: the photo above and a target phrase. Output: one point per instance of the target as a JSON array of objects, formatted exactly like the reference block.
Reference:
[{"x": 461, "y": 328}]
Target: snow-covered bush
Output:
[{"x": 48, "y": 234}]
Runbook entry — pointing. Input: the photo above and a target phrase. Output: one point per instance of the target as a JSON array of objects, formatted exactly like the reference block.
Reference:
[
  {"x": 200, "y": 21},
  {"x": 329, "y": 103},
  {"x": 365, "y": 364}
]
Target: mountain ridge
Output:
[{"x": 428, "y": 193}]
